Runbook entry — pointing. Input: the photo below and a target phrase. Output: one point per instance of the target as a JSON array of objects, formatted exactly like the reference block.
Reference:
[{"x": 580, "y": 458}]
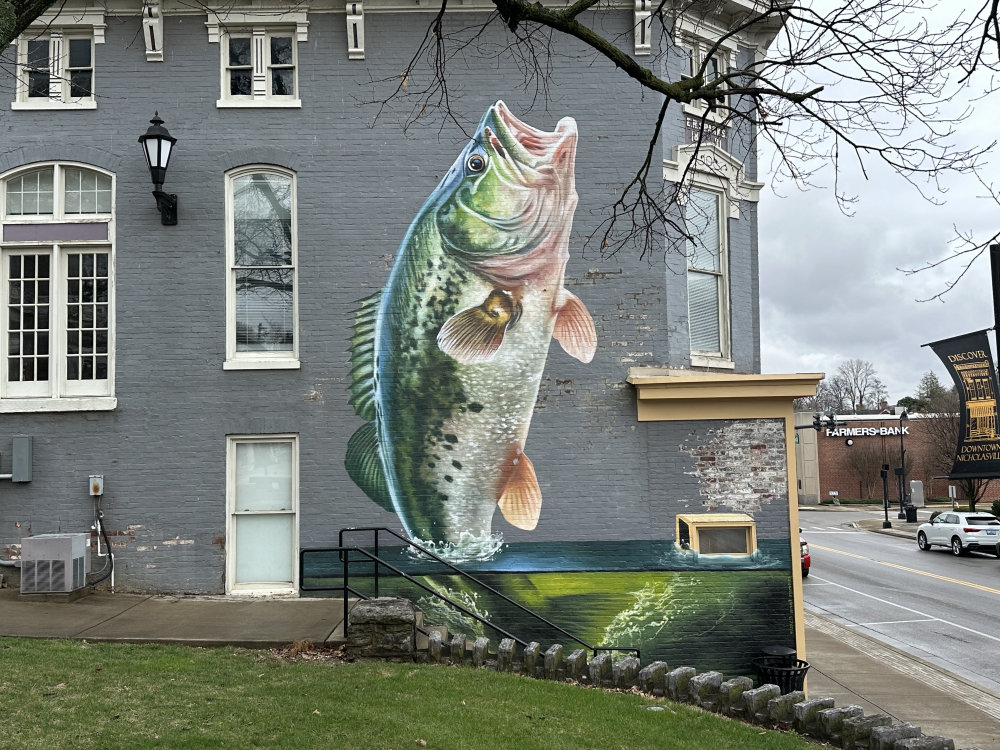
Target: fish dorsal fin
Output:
[
  {"x": 520, "y": 496},
  {"x": 574, "y": 329},
  {"x": 364, "y": 465},
  {"x": 363, "y": 357},
  {"x": 473, "y": 336}
]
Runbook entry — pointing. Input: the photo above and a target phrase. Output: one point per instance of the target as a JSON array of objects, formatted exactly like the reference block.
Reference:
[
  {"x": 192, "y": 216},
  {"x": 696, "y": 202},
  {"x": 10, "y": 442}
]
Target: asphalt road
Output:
[{"x": 941, "y": 608}]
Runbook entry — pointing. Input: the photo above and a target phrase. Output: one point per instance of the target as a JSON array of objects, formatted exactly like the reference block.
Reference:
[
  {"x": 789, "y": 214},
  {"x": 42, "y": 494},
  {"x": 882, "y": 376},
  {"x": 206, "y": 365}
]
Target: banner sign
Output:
[{"x": 970, "y": 363}]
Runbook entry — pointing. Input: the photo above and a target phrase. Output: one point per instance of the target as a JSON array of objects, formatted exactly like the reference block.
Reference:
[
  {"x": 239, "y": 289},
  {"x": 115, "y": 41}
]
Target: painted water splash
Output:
[
  {"x": 469, "y": 547},
  {"x": 678, "y": 559}
]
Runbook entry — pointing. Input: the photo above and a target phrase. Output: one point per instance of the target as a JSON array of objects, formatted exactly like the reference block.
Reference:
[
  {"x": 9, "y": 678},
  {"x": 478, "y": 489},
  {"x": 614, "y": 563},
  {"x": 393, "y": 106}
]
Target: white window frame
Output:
[
  {"x": 260, "y": 26},
  {"x": 707, "y": 167},
  {"x": 723, "y": 356},
  {"x": 264, "y": 360},
  {"x": 58, "y": 28},
  {"x": 697, "y": 40},
  {"x": 60, "y": 394},
  {"x": 266, "y": 588}
]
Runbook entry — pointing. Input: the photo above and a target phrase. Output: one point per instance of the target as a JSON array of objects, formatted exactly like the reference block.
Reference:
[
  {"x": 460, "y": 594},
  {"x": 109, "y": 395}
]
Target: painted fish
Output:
[{"x": 447, "y": 359}]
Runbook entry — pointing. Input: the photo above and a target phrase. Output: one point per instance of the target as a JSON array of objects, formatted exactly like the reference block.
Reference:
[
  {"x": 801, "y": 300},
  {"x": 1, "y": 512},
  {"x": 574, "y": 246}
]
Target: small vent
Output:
[{"x": 43, "y": 576}]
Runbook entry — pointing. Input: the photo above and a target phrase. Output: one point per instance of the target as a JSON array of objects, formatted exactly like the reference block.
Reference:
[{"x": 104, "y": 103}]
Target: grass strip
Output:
[{"x": 75, "y": 694}]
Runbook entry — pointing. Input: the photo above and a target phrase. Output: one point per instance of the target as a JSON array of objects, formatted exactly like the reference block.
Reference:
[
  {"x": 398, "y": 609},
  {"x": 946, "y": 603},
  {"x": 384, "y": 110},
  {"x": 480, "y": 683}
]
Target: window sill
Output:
[
  {"x": 259, "y": 104},
  {"x": 47, "y": 104},
  {"x": 265, "y": 591},
  {"x": 700, "y": 109},
  {"x": 718, "y": 363},
  {"x": 261, "y": 364},
  {"x": 81, "y": 403}
]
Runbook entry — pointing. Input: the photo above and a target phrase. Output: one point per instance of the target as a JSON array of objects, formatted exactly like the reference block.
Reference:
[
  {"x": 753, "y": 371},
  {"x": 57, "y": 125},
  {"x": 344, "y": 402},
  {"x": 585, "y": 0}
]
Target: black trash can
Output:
[
  {"x": 911, "y": 513},
  {"x": 788, "y": 674}
]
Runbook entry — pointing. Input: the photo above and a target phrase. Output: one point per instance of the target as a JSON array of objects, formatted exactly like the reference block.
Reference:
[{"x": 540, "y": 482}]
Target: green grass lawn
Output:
[{"x": 73, "y": 694}]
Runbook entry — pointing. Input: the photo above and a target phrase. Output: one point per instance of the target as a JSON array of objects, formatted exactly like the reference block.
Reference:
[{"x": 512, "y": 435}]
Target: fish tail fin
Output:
[
  {"x": 574, "y": 329},
  {"x": 364, "y": 465},
  {"x": 520, "y": 497}
]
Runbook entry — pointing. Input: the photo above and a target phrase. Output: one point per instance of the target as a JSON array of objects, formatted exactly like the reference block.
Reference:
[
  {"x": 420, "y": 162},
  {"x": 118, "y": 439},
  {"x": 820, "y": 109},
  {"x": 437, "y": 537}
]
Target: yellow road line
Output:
[{"x": 908, "y": 570}]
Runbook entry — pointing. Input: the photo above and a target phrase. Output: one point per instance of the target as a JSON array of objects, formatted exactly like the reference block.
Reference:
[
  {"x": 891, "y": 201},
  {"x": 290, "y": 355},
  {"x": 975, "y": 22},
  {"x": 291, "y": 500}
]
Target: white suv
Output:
[{"x": 962, "y": 532}]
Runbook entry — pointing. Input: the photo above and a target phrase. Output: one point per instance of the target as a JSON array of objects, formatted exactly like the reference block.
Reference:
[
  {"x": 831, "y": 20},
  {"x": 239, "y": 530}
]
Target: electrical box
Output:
[
  {"x": 21, "y": 459},
  {"x": 96, "y": 484},
  {"x": 53, "y": 563}
]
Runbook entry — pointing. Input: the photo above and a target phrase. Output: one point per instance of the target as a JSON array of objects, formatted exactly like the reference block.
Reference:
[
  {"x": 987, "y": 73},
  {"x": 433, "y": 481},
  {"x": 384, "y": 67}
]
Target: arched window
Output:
[
  {"x": 57, "y": 289},
  {"x": 262, "y": 309}
]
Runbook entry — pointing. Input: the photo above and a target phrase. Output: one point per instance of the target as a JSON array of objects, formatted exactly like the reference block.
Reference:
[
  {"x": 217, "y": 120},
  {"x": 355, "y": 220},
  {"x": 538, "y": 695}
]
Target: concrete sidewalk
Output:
[{"x": 846, "y": 666}]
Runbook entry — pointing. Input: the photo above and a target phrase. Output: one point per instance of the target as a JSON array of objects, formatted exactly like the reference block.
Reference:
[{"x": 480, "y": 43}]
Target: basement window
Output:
[{"x": 717, "y": 533}]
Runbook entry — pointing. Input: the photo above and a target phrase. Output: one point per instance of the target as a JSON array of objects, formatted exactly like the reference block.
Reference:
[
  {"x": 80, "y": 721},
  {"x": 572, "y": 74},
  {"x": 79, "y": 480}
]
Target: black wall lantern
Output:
[{"x": 157, "y": 145}]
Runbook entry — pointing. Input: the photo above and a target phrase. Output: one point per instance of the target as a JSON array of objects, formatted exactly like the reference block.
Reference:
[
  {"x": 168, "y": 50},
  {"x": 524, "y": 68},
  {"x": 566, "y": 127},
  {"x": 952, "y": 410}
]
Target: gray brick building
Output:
[{"x": 206, "y": 369}]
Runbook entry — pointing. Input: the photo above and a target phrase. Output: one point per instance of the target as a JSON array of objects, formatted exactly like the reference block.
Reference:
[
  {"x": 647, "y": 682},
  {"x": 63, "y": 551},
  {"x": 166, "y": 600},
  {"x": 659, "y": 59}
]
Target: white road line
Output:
[
  {"x": 914, "y": 611},
  {"x": 891, "y": 622}
]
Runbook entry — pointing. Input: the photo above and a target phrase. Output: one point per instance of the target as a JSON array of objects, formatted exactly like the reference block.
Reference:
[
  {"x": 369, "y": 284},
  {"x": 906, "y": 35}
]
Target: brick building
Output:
[
  {"x": 295, "y": 356},
  {"x": 847, "y": 460}
]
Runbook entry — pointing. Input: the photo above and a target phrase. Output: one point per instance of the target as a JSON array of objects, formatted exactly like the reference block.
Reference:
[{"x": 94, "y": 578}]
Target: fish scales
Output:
[{"x": 461, "y": 338}]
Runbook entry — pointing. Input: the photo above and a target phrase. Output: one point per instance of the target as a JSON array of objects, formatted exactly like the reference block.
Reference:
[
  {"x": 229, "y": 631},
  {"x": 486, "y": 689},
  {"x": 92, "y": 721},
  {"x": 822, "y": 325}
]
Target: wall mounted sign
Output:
[{"x": 970, "y": 362}]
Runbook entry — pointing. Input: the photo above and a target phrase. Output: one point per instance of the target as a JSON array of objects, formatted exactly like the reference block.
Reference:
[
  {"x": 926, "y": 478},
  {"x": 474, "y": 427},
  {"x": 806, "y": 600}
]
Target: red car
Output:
[{"x": 806, "y": 559}]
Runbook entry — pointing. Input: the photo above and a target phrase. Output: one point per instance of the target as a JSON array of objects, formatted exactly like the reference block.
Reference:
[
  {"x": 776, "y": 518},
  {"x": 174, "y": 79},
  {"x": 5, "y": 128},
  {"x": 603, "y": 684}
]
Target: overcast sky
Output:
[{"x": 830, "y": 288}]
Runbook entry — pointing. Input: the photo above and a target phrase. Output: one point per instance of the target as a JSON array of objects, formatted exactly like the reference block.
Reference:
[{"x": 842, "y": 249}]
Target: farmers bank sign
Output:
[{"x": 866, "y": 431}]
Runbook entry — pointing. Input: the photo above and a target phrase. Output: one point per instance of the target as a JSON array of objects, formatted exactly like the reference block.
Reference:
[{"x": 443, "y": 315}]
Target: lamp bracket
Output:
[{"x": 166, "y": 204}]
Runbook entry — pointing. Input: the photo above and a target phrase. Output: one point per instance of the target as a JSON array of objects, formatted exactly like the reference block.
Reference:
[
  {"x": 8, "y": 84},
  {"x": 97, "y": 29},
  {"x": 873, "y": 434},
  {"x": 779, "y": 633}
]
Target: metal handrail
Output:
[{"x": 378, "y": 561}]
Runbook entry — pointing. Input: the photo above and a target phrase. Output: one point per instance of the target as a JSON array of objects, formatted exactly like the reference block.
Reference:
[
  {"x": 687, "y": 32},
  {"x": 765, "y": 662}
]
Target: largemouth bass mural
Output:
[{"x": 447, "y": 359}]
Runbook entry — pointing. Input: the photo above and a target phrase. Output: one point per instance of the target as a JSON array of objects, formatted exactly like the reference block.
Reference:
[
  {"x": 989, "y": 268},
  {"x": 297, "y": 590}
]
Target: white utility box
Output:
[{"x": 53, "y": 563}]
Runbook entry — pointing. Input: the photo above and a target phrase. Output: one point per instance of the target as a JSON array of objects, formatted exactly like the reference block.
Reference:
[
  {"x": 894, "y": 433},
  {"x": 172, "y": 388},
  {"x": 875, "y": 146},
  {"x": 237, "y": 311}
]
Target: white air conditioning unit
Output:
[{"x": 53, "y": 563}]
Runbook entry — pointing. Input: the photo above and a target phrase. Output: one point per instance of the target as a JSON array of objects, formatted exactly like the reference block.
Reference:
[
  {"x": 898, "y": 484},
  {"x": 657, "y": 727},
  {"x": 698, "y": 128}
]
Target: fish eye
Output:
[{"x": 476, "y": 163}]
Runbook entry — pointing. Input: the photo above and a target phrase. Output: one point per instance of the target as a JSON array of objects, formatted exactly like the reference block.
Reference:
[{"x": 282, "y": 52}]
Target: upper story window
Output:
[
  {"x": 259, "y": 54},
  {"x": 706, "y": 49},
  {"x": 707, "y": 277},
  {"x": 261, "y": 294},
  {"x": 57, "y": 289},
  {"x": 56, "y": 62}
]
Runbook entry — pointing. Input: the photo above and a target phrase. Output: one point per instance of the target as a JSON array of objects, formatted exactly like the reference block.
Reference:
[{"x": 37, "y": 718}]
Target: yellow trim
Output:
[
  {"x": 696, "y": 522},
  {"x": 664, "y": 394}
]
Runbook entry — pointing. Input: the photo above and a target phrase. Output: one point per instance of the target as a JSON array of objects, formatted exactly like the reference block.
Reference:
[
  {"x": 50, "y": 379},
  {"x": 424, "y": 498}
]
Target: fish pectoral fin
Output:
[
  {"x": 474, "y": 335},
  {"x": 574, "y": 329},
  {"x": 521, "y": 498},
  {"x": 364, "y": 465}
]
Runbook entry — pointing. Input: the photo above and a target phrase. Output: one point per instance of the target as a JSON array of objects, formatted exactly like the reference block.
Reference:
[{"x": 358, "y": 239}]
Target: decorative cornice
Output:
[
  {"x": 657, "y": 383},
  {"x": 716, "y": 168}
]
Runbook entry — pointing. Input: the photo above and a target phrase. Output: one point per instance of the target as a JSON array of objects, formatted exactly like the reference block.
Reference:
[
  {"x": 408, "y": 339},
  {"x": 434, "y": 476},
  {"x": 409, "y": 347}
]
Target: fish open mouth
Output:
[{"x": 529, "y": 145}]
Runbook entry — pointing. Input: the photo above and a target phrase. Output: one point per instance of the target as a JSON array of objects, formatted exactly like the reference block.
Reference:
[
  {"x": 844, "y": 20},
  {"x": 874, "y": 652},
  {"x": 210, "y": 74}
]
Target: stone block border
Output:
[{"x": 845, "y": 727}]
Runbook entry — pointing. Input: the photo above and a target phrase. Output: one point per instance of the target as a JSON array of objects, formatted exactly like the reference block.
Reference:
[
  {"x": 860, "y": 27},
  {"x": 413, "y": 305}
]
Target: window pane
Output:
[
  {"x": 281, "y": 50},
  {"x": 30, "y": 194},
  {"x": 27, "y": 320},
  {"x": 703, "y": 311},
  {"x": 239, "y": 51},
  {"x": 264, "y": 310},
  {"x": 80, "y": 83},
  {"x": 38, "y": 54},
  {"x": 723, "y": 542},
  {"x": 263, "y": 476},
  {"x": 79, "y": 53},
  {"x": 283, "y": 82},
  {"x": 86, "y": 319},
  {"x": 264, "y": 548},
  {"x": 87, "y": 192},
  {"x": 240, "y": 83},
  {"x": 701, "y": 216},
  {"x": 38, "y": 85},
  {"x": 262, "y": 211}
]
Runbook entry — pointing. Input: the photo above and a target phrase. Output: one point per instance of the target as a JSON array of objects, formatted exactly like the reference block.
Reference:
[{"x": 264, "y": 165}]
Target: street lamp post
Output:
[
  {"x": 886, "y": 524},
  {"x": 903, "y": 418}
]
